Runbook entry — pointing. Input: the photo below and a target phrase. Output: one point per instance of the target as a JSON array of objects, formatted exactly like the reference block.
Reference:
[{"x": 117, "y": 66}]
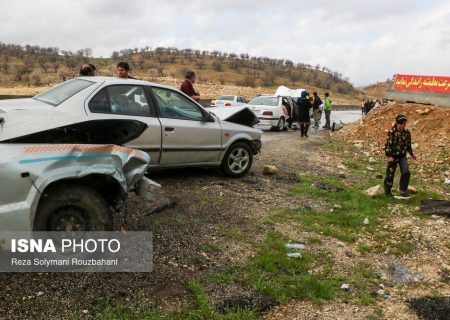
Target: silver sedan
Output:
[{"x": 178, "y": 132}]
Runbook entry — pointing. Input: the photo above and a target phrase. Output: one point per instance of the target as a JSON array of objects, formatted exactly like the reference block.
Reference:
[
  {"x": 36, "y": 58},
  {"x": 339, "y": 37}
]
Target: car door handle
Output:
[{"x": 169, "y": 129}]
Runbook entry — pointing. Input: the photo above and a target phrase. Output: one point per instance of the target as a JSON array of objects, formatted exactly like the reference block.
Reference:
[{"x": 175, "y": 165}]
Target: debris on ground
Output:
[
  {"x": 366, "y": 221},
  {"x": 328, "y": 187},
  {"x": 294, "y": 255},
  {"x": 345, "y": 287},
  {"x": 441, "y": 207},
  {"x": 163, "y": 207},
  {"x": 270, "y": 170},
  {"x": 431, "y": 308},
  {"x": 227, "y": 297},
  {"x": 295, "y": 245}
]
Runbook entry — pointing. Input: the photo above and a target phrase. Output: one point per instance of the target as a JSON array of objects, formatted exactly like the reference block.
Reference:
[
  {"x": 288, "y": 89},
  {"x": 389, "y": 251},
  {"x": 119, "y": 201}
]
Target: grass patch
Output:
[
  {"x": 404, "y": 247},
  {"x": 365, "y": 248},
  {"x": 210, "y": 247}
]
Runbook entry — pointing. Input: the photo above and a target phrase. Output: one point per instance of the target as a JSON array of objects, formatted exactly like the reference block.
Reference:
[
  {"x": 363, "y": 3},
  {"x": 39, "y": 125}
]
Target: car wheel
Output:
[
  {"x": 281, "y": 124},
  {"x": 237, "y": 160},
  {"x": 72, "y": 207}
]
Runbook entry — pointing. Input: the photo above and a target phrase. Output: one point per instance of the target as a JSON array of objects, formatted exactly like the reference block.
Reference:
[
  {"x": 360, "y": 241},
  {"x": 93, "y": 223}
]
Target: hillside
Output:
[
  {"x": 377, "y": 90},
  {"x": 33, "y": 66}
]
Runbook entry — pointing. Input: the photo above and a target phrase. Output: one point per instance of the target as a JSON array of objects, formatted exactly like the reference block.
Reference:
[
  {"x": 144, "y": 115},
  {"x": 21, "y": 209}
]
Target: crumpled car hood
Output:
[{"x": 239, "y": 115}]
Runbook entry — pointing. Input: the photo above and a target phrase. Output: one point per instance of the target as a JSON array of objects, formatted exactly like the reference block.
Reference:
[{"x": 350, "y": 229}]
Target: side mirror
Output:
[{"x": 207, "y": 117}]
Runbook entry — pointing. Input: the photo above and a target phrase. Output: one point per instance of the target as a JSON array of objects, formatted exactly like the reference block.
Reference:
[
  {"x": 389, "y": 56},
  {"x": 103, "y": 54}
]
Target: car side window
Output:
[
  {"x": 239, "y": 99},
  {"x": 121, "y": 99},
  {"x": 174, "y": 105}
]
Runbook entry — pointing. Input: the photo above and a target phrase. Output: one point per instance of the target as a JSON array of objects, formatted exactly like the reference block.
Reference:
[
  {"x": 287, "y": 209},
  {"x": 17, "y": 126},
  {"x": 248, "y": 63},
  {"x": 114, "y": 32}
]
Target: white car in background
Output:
[
  {"x": 272, "y": 111},
  {"x": 229, "y": 101}
]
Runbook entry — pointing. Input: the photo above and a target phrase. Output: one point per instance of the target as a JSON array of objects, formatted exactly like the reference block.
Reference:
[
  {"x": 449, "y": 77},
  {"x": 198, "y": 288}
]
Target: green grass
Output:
[{"x": 365, "y": 248}]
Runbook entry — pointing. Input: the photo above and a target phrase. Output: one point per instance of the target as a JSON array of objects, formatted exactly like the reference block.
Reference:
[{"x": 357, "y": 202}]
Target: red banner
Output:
[{"x": 422, "y": 83}]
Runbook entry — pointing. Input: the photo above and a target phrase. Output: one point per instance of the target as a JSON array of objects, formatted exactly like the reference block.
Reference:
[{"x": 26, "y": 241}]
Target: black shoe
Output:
[
  {"x": 404, "y": 194},
  {"x": 388, "y": 194},
  {"x": 306, "y": 135}
]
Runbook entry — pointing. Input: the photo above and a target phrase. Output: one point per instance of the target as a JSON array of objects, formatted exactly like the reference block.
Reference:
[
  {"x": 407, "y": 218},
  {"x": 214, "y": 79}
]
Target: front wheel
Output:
[
  {"x": 237, "y": 160},
  {"x": 72, "y": 207}
]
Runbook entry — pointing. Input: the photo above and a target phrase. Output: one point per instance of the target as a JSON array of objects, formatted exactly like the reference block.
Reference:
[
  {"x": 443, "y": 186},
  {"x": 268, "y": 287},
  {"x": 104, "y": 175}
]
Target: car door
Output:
[
  {"x": 186, "y": 137},
  {"x": 131, "y": 102}
]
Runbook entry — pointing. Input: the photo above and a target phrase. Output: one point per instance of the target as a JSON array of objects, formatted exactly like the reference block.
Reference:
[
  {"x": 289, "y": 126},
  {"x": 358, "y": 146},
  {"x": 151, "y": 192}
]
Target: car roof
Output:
[{"x": 116, "y": 80}]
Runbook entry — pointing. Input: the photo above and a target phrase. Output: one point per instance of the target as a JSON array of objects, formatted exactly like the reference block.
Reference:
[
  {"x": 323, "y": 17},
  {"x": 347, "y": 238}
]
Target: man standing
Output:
[
  {"x": 123, "y": 68},
  {"x": 398, "y": 144},
  {"x": 327, "y": 108},
  {"x": 316, "y": 109},
  {"x": 188, "y": 88}
]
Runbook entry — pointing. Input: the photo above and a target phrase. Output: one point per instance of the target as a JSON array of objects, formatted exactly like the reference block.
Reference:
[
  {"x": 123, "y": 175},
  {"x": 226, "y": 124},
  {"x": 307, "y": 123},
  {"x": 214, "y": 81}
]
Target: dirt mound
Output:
[{"x": 429, "y": 126}]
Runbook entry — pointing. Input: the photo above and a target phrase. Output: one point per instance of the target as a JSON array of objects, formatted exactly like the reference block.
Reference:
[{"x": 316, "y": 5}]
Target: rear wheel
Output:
[
  {"x": 72, "y": 207},
  {"x": 281, "y": 125},
  {"x": 237, "y": 160}
]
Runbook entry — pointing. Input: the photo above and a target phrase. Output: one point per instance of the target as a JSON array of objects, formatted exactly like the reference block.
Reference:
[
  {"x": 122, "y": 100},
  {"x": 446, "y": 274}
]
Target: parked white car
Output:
[
  {"x": 229, "y": 101},
  {"x": 271, "y": 111},
  {"x": 179, "y": 132}
]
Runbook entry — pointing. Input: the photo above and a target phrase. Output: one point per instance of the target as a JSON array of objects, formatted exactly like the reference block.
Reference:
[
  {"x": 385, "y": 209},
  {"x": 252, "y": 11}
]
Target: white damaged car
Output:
[{"x": 61, "y": 172}]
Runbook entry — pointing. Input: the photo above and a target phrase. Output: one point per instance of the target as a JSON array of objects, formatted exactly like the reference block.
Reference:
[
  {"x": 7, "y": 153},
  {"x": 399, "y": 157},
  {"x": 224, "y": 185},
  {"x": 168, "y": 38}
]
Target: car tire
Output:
[
  {"x": 281, "y": 125},
  {"x": 237, "y": 160},
  {"x": 72, "y": 207}
]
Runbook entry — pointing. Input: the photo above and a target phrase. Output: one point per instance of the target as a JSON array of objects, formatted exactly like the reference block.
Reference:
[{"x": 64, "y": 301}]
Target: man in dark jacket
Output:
[
  {"x": 304, "y": 119},
  {"x": 398, "y": 144}
]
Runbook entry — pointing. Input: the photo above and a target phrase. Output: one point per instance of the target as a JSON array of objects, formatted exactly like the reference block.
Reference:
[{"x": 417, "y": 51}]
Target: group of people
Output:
[
  {"x": 368, "y": 105},
  {"x": 89, "y": 70},
  {"x": 305, "y": 103}
]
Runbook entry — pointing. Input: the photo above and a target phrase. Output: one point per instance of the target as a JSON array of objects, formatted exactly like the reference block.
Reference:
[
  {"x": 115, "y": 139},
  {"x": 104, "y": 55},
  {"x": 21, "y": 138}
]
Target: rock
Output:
[
  {"x": 358, "y": 146},
  {"x": 412, "y": 189},
  {"x": 336, "y": 206},
  {"x": 423, "y": 112},
  {"x": 349, "y": 253},
  {"x": 372, "y": 160},
  {"x": 415, "y": 145},
  {"x": 375, "y": 191},
  {"x": 40, "y": 293},
  {"x": 270, "y": 170}
]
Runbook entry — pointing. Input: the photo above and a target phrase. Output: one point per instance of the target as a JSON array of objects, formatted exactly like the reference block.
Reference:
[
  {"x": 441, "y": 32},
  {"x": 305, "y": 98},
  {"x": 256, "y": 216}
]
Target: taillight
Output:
[
  {"x": 213, "y": 103},
  {"x": 267, "y": 113},
  {"x": 227, "y": 104}
]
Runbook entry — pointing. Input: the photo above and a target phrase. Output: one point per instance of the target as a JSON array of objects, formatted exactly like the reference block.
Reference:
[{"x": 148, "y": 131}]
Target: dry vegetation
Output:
[{"x": 34, "y": 66}]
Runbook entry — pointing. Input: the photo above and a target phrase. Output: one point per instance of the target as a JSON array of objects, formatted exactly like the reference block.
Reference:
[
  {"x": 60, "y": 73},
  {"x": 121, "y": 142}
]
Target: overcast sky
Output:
[{"x": 367, "y": 41}]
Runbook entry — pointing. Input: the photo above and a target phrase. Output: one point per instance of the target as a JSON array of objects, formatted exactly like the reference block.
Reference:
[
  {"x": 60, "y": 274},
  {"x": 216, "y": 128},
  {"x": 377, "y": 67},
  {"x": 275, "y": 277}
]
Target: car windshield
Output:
[
  {"x": 64, "y": 91},
  {"x": 265, "y": 101},
  {"x": 228, "y": 98}
]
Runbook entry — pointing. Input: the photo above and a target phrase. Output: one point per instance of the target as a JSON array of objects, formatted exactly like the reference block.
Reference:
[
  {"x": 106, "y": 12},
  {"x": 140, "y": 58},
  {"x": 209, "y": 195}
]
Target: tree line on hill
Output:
[{"x": 37, "y": 65}]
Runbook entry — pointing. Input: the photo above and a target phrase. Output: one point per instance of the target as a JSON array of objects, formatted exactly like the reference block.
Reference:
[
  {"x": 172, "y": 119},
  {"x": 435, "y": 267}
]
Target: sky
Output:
[{"x": 367, "y": 41}]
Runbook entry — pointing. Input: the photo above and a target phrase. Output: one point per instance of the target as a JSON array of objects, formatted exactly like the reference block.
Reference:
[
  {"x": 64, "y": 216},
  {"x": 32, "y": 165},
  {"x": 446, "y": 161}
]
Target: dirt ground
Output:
[{"x": 207, "y": 209}]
